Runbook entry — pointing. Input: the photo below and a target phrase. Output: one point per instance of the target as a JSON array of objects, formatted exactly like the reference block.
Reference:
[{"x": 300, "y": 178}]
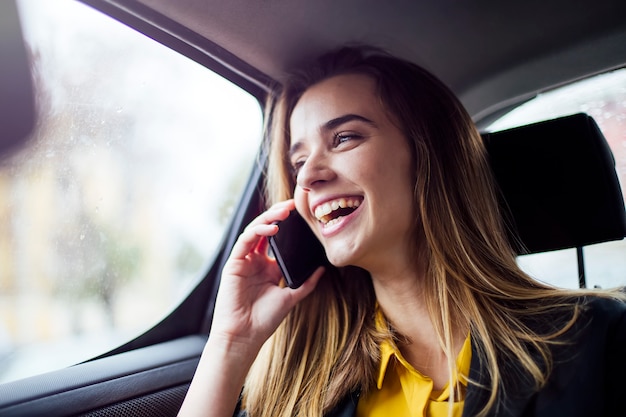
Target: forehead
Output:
[{"x": 335, "y": 97}]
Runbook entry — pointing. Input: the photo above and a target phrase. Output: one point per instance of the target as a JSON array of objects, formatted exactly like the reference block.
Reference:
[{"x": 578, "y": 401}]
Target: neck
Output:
[{"x": 402, "y": 299}]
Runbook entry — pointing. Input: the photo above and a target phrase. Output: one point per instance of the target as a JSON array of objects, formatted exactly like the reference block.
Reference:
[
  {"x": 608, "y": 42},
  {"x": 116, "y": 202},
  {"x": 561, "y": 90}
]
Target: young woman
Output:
[{"x": 424, "y": 310}]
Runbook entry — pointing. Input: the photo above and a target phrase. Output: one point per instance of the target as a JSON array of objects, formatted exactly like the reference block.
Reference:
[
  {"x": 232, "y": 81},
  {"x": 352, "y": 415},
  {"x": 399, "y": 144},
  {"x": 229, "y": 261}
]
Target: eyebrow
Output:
[{"x": 333, "y": 124}]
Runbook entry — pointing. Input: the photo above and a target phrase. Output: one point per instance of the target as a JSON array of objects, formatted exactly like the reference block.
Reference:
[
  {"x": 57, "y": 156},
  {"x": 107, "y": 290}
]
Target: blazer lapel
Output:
[
  {"x": 519, "y": 390},
  {"x": 346, "y": 408}
]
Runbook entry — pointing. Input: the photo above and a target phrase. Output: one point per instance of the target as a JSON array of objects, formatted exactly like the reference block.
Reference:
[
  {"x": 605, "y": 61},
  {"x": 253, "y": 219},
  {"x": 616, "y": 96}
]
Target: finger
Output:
[
  {"x": 274, "y": 273},
  {"x": 289, "y": 204},
  {"x": 262, "y": 246},
  {"x": 277, "y": 212},
  {"x": 308, "y": 286},
  {"x": 249, "y": 239}
]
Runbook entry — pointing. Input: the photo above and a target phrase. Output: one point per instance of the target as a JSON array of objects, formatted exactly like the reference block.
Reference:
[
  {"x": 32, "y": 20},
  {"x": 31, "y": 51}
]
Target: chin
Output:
[{"x": 340, "y": 259}]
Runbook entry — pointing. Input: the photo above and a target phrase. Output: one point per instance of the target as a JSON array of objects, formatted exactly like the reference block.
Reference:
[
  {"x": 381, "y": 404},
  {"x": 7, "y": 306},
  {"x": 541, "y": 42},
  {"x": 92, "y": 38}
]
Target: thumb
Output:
[{"x": 308, "y": 286}]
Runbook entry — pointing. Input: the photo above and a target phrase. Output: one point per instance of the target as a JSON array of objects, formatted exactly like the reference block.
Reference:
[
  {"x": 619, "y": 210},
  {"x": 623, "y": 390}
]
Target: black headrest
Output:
[{"x": 558, "y": 184}]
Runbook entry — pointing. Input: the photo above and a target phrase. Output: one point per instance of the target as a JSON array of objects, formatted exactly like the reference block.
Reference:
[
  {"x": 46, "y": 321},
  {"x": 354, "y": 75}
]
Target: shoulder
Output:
[
  {"x": 584, "y": 318},
  {"x": 589, "y": 363},
  {"x": 599, "y": 326},
  {"x": 606, "y": 305},
  {"x": 590, "y": 366},
  {"x": 605, "y": 314},
  {"x": 604, "y": 330}
]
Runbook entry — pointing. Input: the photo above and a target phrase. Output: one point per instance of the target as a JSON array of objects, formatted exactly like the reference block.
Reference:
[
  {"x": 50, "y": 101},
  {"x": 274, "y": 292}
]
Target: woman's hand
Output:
[{"x": 250, "y": 303}]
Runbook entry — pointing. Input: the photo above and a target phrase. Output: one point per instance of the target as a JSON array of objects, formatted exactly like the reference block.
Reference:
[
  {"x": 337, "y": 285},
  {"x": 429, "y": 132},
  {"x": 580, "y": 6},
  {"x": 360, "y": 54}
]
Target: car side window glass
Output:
[
  {"x": 604, "y": 98},
  {"x": 114, "y": 208}
]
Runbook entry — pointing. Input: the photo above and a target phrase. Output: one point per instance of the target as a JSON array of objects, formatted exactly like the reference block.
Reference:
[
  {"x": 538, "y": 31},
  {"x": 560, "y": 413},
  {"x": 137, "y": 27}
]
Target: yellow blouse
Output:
[{"x": 404, "y": 391}]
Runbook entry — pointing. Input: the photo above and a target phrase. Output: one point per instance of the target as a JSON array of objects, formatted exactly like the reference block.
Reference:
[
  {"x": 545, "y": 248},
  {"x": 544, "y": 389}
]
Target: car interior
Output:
[{"x": 560, "y": 183}]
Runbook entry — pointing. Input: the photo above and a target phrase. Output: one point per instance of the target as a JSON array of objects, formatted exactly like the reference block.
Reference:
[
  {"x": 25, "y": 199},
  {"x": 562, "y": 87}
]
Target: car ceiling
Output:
[{"x": 492, "y": 53}]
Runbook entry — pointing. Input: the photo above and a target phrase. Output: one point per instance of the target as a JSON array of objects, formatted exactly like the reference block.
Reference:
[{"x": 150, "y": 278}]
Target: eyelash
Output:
[
  {"x": 339, "y": 137},
  {"x": 295, "y": 168}
]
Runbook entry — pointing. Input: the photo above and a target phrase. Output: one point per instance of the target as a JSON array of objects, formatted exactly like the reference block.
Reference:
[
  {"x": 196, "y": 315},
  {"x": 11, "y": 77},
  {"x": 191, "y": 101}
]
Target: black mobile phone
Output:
[{"x": 297, "y": 250}]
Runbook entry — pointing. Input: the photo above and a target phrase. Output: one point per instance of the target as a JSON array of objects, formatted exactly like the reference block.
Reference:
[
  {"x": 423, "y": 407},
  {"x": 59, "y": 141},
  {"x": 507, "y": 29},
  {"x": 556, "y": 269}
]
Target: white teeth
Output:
[
  {"x": 323, "y": 210},
  {"x": 331, "y": 222},
  {"x": 328, "y": 207}
]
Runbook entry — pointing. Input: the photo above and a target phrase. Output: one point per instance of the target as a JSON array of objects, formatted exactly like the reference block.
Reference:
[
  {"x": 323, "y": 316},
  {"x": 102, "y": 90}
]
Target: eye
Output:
[
  {"x": 296, "y": 166},
  {"x": 343, "y": 137}
]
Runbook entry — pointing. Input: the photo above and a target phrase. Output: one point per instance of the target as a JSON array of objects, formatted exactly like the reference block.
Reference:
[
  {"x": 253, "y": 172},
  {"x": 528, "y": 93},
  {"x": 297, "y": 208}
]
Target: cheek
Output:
[
  {"x": 394, "y": 182},
  {"x": 301, "y": 200}
]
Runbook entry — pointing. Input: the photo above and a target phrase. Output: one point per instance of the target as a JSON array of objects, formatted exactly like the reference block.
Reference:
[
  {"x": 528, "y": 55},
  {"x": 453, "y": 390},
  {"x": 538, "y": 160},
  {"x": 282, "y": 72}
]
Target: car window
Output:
[
  {"x": 604, "y": 98},
  {"x": 113, "y": 209}
]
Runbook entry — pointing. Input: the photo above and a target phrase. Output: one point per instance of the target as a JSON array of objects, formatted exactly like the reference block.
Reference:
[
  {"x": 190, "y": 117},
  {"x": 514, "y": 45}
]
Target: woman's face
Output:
[{"x": 354, "y": 174}]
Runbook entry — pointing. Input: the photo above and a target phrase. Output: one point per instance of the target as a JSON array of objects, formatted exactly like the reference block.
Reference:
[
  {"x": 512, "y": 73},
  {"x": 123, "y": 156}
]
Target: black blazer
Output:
[{"x": 588, "y": 378}]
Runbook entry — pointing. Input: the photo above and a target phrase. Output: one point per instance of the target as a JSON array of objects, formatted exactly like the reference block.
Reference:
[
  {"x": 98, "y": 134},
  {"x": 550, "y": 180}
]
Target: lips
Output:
[{"x": 330, "y": 211}]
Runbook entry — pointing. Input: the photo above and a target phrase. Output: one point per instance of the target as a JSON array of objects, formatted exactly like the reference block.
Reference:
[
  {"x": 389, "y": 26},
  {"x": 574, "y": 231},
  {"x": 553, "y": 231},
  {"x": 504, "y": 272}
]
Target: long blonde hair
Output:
[{"x": 328, "y": 346}]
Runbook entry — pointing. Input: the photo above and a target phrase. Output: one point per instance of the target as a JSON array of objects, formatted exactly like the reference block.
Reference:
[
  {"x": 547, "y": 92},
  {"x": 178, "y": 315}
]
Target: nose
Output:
[{"x": 315, "y": 171}]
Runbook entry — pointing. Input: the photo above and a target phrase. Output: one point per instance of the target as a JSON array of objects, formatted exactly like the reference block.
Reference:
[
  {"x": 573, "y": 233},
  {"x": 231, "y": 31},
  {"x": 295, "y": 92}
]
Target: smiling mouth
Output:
[{"x": 331, "y": 211}]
